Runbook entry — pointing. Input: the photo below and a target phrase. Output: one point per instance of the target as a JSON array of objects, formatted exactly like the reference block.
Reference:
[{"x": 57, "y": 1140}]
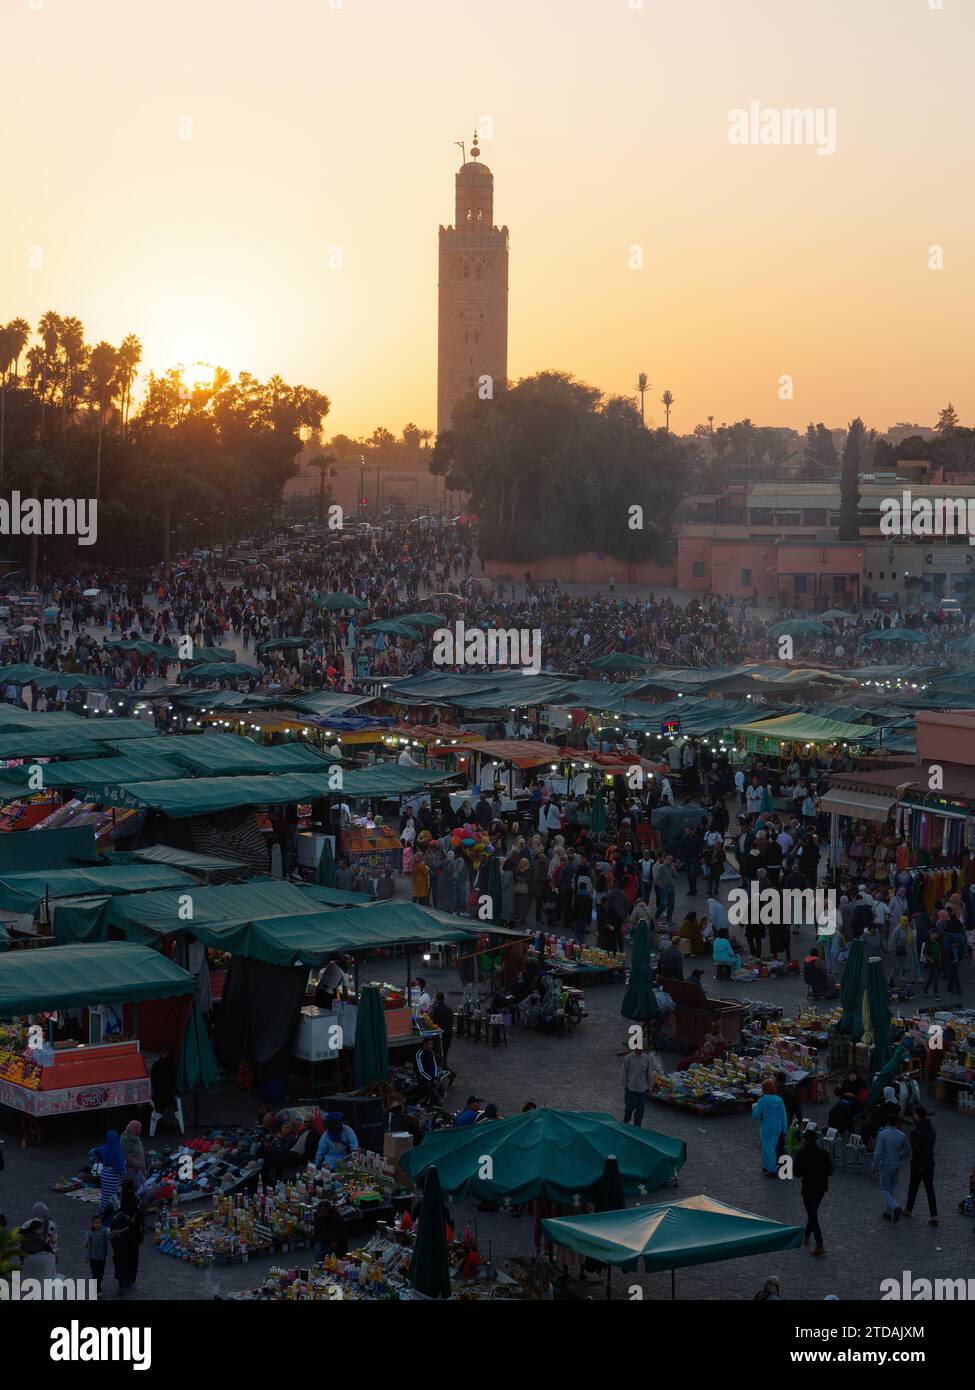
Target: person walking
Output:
[
  {"x": 891, "y": 1151},
  {"x": 814, "y": 1168},
  {"x": 923, "y": 1137},
  {"x": 931, "y": 960},
  {"x": 773, "y": 1122},
  {"x": 665, "y": 884},
  {"x": 636, "y": 1076},
  {"x": 96, "y": 1248}
]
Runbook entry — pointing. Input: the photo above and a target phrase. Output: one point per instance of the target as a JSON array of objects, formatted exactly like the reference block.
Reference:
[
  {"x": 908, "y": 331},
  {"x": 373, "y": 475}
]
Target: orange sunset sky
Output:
[{"x": 316, "y": 124}]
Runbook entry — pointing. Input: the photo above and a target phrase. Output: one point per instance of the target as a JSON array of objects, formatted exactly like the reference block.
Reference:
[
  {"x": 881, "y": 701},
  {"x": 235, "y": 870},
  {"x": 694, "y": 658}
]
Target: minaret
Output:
[{"x": 473, "y": 332}]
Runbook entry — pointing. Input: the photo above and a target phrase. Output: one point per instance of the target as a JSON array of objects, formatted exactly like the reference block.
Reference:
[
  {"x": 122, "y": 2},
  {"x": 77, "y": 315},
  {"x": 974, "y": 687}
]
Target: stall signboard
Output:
[
  {"x": 670, "y": 728},
  {"x": 71, "y": 1100}
]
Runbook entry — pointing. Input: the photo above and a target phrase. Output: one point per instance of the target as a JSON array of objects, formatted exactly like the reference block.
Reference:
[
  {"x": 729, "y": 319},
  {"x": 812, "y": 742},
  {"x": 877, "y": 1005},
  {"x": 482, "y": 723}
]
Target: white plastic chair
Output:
[{"x": 158, "y": 1115}]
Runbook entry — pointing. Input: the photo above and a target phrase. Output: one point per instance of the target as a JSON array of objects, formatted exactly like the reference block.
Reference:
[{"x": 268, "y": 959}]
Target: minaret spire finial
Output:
[{"x": 475, "y": 152}]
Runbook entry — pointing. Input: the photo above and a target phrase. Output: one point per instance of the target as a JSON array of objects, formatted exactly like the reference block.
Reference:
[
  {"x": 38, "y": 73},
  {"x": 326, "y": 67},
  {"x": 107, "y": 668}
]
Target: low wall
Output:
[{"x": 588, "y": 568}]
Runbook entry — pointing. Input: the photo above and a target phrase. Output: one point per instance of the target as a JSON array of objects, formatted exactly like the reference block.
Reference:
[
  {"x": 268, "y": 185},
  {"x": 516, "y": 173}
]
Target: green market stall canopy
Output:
[
  {"x": 672, "y": 1235},
  {"x": 110, "y": 972},
  {"x": 24, "y": 892},
  {"x": 803, "y": 728}
]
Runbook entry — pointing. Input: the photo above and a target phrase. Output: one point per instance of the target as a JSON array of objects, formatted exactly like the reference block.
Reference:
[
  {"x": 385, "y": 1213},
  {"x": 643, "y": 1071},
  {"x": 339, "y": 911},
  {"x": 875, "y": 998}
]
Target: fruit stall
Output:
[{"x": 42, "y": 1077}]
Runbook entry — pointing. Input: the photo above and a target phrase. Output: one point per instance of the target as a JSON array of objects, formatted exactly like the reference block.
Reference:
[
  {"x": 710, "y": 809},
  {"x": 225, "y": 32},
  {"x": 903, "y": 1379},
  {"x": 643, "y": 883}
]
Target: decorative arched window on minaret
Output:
[{"x": 473, "y": 289}]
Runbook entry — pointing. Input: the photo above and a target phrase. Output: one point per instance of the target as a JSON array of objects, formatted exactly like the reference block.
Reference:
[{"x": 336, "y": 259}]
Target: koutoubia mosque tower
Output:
[{"x": 473, "y": 334}]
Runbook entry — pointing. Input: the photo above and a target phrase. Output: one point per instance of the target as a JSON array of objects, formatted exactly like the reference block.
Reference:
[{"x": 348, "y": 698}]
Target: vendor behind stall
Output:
[{"x": 337, "y": 1142}]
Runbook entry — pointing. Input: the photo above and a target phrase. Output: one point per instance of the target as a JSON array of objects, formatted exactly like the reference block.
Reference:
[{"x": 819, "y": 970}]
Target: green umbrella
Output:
[
  {"x": 337, "y": 601},
  {"x": 394, "y": 629},
  {"x": 22, "y": 673},
  {"x": 598, "y": 812},
  {"x": 640, "y": 1001},
  {"x": 325, "y": 868},
  {"x": 876, "y": 1014},
  {"x": 835, "y": 615},
  {"x": 221, "y": 671},
  {"x": 893, "y": 634},
  {"x": 621, "y": 661},
  {"x": 371, "y": 1047},
  {"x": 430, "y": 1266},
  {"x": 197, "y": 1070},
  {"x": 965, "y": 645},
  {"x": 851, "y": 991},
  {"x": 213, "y": 654},
  {"x": 422, "y": 619},
  {"x": 559, "y": 1154},
  {"x": 886, "y": 1075},
  {"x": 798, "y": 627},
  {"x": 283, "y": 644},
  {"x": 672, "y": 1235}
]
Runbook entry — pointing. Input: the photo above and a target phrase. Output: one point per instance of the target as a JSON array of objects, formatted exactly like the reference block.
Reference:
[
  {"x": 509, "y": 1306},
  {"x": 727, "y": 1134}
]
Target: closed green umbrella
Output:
[
  {"x": 197, "y": 1069},
  {"x": 886, "y": 1074},
  {"x": 609, "y": 1196},
  {"x": 851, "y": 991},
  {"x": 325, "y": 868},
  {"x": 599, "y": 812},
  {"x": 491, "y": 881},
  {"x": 559, "y": 1154},
  {"x": 876, "y": 1014},
  {"x": 893, "y": 634},
  {"x": 640, "y": 1001},
  {"x": 371, "y": 1046},
  {"x": 430, "y": 1266}
]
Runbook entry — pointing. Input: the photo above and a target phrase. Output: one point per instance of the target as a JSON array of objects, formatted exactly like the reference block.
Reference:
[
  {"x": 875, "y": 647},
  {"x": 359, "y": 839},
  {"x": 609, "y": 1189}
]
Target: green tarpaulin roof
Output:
[
  {"x": 279, "y": 922},
  {"x": 41, "y": 742},
  {"x": 109, "y": 972},
  {"x": 326, "y": 703},
  {"x": 22, "y": 892},
  {"x": 21, "y": 852},
  {"x": 621, "y": 661},
  {"x": 221, "y": 671},
  {"x": 672, "y": 1235},
  {"x": 188, "y": 859},
  {"x": 697, "y": 715},
  {"x": 204, "y": 796},
  {"x": 219, "y": 754},
  {"x": 806, "y": 728},
  {"x": 137, "y": 764}
]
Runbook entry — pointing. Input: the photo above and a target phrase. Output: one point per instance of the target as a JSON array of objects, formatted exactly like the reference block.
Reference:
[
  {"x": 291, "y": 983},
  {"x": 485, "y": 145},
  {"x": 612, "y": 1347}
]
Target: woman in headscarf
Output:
[
  {"x": 690, "y": 930},
  {"x": 127, "y": 1232},
  {"x": 773, "y": 1123},
  {"x": 717, "y": 920},
  {"x": 134, "y": 1154},
  {"x": 112, "y": 1170}
]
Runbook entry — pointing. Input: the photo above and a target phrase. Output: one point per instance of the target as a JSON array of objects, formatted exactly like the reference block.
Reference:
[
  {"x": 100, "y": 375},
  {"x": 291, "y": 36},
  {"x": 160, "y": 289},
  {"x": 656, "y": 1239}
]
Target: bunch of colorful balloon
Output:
[{"x": 471, "y": 841}]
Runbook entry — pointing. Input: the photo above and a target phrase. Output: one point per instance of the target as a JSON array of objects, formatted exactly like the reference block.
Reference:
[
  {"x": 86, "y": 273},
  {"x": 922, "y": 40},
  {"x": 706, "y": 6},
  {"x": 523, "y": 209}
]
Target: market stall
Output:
[{"x": 106, "y": 985}]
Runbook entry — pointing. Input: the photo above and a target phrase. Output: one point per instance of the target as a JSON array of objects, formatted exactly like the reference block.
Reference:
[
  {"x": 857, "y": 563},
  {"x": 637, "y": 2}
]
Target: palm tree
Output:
[
  {"x": 43, "y": 361},
  {"x": 36, "y": 469},
  {"x": 103, "y": 385},
  {"x": 323, "y": 462},
  {"x": 642, "y": 386},
  {"x": 8, "y": 356},
  {"x": 75, "y": 358},
  {"x": 667, "y": 400},
  {"x": 128, "y": 358},
  {"x": 20, "y": 332}
]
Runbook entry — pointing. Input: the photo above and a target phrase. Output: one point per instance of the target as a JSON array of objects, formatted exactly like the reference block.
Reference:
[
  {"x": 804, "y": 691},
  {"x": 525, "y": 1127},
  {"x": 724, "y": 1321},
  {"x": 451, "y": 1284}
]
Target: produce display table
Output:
[
  {"x": 370, "y": 851},
  {"x": 72, "y": 1079}
]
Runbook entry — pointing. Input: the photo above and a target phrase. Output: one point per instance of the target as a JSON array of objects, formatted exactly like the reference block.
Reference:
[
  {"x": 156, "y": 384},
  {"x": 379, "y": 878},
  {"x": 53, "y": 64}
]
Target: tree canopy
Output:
[{"x": 552, "y": 466}]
